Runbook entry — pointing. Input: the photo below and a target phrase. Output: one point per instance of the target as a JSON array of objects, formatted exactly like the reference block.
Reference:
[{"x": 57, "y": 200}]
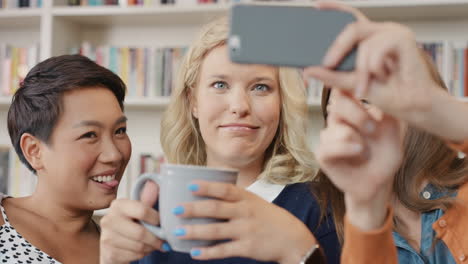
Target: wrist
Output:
[
  {"x": 294, "y": 254},
  {"x": 437, "y": 118},
  {"x": 370, "y": 214}
]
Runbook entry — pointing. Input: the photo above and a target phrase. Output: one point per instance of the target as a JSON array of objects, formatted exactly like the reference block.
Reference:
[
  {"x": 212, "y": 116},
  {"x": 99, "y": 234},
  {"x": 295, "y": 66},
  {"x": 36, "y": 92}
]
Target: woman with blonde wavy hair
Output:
[{"x": 245, "y": 117}]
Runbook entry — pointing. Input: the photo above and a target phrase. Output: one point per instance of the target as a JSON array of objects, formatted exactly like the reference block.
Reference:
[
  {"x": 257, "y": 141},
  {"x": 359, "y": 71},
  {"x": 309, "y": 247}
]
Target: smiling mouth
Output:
[
  {"x": 239, "y": 127},
  {"x": 103, "y": 179}
]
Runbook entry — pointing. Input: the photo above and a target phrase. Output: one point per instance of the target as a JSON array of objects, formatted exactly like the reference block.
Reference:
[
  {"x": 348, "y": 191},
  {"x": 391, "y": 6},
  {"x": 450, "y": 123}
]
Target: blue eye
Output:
[
  {"x": 261, "y": 87},
  {"x": 220, "y": 85}
]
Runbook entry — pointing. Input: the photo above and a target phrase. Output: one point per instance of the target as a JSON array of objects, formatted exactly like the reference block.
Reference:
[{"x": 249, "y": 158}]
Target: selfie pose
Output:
[
  {"x": 380, "y": 162},
  {"x": 67, "y": 125},
  {"x": 244, "y": 117}
]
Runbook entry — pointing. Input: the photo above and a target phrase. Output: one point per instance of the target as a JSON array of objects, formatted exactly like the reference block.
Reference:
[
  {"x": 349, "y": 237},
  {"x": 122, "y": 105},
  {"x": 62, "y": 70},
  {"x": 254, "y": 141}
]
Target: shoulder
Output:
[
  {"x": 297, "y": 195},
  {"x": 300, "y": 200}
]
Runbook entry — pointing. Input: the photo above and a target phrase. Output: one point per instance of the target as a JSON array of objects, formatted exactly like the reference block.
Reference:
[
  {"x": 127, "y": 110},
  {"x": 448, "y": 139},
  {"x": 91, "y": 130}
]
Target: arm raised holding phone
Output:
[{"x": 391, "y": 72}]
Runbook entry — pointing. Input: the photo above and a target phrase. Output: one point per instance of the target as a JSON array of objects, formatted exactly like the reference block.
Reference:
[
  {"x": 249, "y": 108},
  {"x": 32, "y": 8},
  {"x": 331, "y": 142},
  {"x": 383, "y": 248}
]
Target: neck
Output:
[
  {"x": 52, "y": 208},
  {"x": 409, "y": 224},
  {"x": 248, "y": 173}
]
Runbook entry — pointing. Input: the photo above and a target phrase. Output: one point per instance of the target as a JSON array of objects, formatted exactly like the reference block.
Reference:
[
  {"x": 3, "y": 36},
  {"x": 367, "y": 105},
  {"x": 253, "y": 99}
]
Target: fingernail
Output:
[
  {"x": 178, "y": 210},
  {"x": 195, "y": 252},
  {"x": 179, "y": 232},
  {"x": 370, "y": 127},
  {"x": 166, "y": 246},
  {"x": 193, "y": 187},
  {"x": 356, "y": 148}
]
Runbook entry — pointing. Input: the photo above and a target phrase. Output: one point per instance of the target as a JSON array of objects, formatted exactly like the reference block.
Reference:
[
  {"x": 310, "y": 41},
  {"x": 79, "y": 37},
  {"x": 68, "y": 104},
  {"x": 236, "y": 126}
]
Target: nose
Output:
[
  {"x": 240, "y": 104},
  {"x": 110, "y": 153}
]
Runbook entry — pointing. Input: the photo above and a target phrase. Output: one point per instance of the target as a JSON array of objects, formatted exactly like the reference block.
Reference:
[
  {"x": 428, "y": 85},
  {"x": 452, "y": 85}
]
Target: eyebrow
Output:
[
  {"x": 219, "y": 76},
  {"x": 260, "y": 79},
  {"x": 83, "y": 123},
  {"x": 257, "y": 79}
]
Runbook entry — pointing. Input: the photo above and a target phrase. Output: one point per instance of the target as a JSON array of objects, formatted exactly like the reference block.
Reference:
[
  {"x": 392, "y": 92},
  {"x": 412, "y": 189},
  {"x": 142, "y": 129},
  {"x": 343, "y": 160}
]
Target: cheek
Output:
[
  {"x": 125, "y": 147},
  {"x": 269, "y": 113},
  {"x": 85, "y": 157},
  {"x": 208, "y": 113}
]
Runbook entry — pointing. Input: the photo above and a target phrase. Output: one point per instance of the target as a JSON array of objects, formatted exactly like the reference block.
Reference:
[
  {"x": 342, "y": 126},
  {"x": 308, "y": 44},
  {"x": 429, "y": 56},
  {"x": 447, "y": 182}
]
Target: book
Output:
[{"x": 4, "y": 168}]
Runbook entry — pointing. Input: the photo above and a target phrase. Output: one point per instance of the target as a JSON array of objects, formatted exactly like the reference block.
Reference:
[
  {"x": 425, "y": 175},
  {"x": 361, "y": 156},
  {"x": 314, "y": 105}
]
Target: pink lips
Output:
[{"x": 239, "y": 125}]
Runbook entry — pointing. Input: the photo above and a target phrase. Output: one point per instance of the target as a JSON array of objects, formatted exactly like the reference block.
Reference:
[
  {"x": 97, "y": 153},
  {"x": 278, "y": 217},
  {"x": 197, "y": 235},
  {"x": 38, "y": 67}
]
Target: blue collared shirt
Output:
[{"x": 429, "y": 252}]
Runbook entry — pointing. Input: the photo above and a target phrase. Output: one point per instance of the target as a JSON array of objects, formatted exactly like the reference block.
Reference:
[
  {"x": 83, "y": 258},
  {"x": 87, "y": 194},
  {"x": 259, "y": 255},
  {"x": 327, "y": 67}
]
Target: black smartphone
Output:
[{"x": 285, "y": 35}]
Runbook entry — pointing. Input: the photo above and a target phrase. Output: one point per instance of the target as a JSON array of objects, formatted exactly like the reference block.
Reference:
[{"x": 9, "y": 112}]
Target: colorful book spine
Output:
[{"x": 148, "y": 72}]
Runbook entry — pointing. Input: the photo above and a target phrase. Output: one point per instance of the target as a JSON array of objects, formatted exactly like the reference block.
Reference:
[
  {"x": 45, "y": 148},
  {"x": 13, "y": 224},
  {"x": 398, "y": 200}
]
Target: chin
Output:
[{"x": 102, "y": 202}]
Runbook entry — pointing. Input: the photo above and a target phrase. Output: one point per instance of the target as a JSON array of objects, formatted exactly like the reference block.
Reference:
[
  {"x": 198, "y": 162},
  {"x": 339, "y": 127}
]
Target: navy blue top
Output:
[{"x": 298, "y": 200}]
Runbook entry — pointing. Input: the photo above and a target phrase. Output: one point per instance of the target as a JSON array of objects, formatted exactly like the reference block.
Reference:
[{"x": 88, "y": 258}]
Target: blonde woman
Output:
[{"x": 246, "y": 117}]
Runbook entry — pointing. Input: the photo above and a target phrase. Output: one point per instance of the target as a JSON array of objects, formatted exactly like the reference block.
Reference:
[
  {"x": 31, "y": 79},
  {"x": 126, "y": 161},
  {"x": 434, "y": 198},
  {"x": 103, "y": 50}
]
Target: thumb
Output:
[{"x": 149, "y": 194}]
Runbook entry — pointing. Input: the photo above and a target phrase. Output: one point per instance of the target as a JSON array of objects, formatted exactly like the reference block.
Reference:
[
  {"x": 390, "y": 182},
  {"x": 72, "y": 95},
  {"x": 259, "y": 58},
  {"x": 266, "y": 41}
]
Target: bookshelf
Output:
[{"x": 58, "y": 28}]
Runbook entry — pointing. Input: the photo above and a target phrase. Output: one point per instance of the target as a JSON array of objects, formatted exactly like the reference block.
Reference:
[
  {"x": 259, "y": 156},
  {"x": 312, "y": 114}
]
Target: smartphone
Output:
[{"x": 285, "y": 35}]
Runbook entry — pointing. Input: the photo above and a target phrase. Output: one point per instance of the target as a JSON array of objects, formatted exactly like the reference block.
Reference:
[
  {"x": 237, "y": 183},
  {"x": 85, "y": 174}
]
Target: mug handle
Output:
[{"x": 136, "y": 190}]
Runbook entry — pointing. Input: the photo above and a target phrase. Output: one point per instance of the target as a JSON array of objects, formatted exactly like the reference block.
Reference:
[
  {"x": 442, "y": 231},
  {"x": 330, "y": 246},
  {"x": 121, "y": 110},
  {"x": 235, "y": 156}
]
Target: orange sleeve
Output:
[{"x": 376, "y": 246}]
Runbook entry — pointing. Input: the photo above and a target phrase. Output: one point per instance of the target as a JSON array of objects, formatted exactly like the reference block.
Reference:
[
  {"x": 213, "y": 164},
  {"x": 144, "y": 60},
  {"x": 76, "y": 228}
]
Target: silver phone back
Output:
[{"x": 285, "y": 35}]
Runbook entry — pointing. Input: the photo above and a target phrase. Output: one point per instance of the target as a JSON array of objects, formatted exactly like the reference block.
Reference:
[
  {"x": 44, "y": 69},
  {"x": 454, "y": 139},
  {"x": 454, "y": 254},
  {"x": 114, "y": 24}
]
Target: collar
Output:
[{"x": 268, "y": 191}]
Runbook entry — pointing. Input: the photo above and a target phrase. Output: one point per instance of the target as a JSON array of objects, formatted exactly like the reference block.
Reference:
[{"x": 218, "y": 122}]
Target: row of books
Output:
[
  {"x": 150, "y": 71},
  {"x": 15, "y": 179},
  {"x": 147, "y": 71},
  {"x": 38, "y": 3},
  {"x": 459, "y": 80},
  {"x": 451, "y": 60},
  {"x": 20, "y": 3},
  {"x": 143, "y": 2},
  {"x": 15, "y": 63}
]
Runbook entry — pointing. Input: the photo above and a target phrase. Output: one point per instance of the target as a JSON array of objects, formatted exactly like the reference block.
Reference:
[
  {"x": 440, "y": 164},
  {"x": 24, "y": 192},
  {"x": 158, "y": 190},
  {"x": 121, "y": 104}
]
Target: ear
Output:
[
  {"x": 32, "y": 150},
  {"x": 195, "y": 112},
  {"x": 193, "y": 103}
]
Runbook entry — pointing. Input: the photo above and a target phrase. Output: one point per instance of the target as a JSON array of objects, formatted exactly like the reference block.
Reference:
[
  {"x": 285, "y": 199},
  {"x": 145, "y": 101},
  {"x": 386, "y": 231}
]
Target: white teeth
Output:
[{"x": 103, "y": 178}]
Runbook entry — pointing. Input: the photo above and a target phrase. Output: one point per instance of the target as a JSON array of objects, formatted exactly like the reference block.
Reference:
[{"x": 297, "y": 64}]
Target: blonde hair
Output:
[{"x": 287, "y": 159}]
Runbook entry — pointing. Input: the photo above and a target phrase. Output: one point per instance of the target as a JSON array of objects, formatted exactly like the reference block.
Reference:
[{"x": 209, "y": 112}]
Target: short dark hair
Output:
[{"x": 37, "y": 104}]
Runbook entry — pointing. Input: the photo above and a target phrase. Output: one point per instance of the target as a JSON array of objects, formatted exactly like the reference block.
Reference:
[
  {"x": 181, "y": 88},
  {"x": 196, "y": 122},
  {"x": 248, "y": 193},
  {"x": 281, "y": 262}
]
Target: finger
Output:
[
  {"x": 382, "y": 55},
  {"x": 332, "y": 5},
  {"x": 339, "y": 143},
  {"x": 215, "y": 231},
  {"x": 123, "y": 227},
  {"x": 119, "y": 256},
  {"x": 224, "y": 191},
  {"x": 135, "y": 210},
  {"x": 339, "y": 80},
  {"x": 363, "y": 74},
  {"x": 117, "y": 241},
  {"x": 349, "y": 38},
  {"x": 236, "y": 248},
  {"x": 149, "y": 194},
  {"x": 208, "y": 208},
  {"x": 350, "y": 111}
]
